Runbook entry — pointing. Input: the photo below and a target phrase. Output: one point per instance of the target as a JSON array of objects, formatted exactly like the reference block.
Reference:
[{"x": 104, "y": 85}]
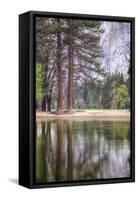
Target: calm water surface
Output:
[{"x": 82, "y": 150}]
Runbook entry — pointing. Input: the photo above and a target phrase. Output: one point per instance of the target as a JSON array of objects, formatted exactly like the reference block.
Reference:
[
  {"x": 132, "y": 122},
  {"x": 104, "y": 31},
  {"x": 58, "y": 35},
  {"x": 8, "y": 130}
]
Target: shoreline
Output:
[{"x": 88, "y": 115}]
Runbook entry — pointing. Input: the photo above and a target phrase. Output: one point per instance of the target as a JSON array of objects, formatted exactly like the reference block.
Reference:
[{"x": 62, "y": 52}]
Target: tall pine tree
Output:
[{"x": 83, "y": 40}]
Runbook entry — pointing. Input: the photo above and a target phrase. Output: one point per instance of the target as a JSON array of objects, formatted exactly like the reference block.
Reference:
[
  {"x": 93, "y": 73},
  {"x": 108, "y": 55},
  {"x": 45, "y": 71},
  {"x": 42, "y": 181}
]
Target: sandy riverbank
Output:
[{"x": 89, "y": 114}]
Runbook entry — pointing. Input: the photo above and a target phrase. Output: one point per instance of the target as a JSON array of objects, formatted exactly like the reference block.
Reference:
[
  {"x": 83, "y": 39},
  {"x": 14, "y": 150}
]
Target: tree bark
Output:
[
  {"x": 70, "y": 79},
  {"x": 70, "y": 68},
  {"x": 44, "y": 88},
  {"x": 43, "y": 106},
  {"x": 59, "y": 73},
  {"x": 49, "y": 103}
]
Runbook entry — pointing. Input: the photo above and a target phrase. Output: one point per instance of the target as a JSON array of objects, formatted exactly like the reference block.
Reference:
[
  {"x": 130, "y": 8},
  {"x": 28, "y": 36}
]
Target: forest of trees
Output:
[{"x": 69, "y": 71}]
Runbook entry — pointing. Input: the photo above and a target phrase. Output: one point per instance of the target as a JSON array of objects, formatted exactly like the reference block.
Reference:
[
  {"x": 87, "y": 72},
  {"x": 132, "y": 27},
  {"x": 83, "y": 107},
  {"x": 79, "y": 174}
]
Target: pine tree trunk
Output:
[
  {"x": 49, "y": 103},
  {"x": 70, "y": 80},
  {"x": 44, "y": 88},
  {"x": 59, "y": 73},
  {"x": 43, "y": 106}
]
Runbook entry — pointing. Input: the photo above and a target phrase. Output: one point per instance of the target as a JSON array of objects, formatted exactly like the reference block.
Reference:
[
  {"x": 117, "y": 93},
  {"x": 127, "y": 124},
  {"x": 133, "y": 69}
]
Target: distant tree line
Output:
[
  {"x": 115, "y": 92},
  {"x": 110, "y": 93}
]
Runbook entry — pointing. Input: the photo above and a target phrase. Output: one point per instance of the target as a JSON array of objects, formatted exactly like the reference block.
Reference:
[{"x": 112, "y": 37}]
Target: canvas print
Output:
[{"x": 82, "y": 96}]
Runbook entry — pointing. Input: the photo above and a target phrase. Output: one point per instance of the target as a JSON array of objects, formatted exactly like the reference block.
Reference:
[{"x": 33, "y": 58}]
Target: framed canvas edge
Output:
[{"x": 32, "y": 184}]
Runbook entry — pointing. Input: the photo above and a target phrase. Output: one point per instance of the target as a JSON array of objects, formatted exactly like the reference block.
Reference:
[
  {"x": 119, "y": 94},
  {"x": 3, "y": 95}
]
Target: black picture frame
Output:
[{"x": 27, "y": 99}]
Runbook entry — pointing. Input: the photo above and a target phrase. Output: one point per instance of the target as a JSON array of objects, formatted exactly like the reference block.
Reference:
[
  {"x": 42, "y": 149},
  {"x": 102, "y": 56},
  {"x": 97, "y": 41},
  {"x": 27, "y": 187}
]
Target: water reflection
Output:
[{"x": 81, "y": 150}]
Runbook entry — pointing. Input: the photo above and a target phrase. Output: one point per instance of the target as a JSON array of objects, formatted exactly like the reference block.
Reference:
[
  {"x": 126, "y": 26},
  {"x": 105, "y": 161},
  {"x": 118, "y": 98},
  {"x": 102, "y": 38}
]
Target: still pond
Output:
[{"x": 69, "y": 150}]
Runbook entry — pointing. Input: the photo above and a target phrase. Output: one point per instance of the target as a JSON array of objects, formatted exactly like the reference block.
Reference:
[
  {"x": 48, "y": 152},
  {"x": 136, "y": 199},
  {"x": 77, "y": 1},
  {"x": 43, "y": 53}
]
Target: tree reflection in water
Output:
[{"x": 81, "y": 150}]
